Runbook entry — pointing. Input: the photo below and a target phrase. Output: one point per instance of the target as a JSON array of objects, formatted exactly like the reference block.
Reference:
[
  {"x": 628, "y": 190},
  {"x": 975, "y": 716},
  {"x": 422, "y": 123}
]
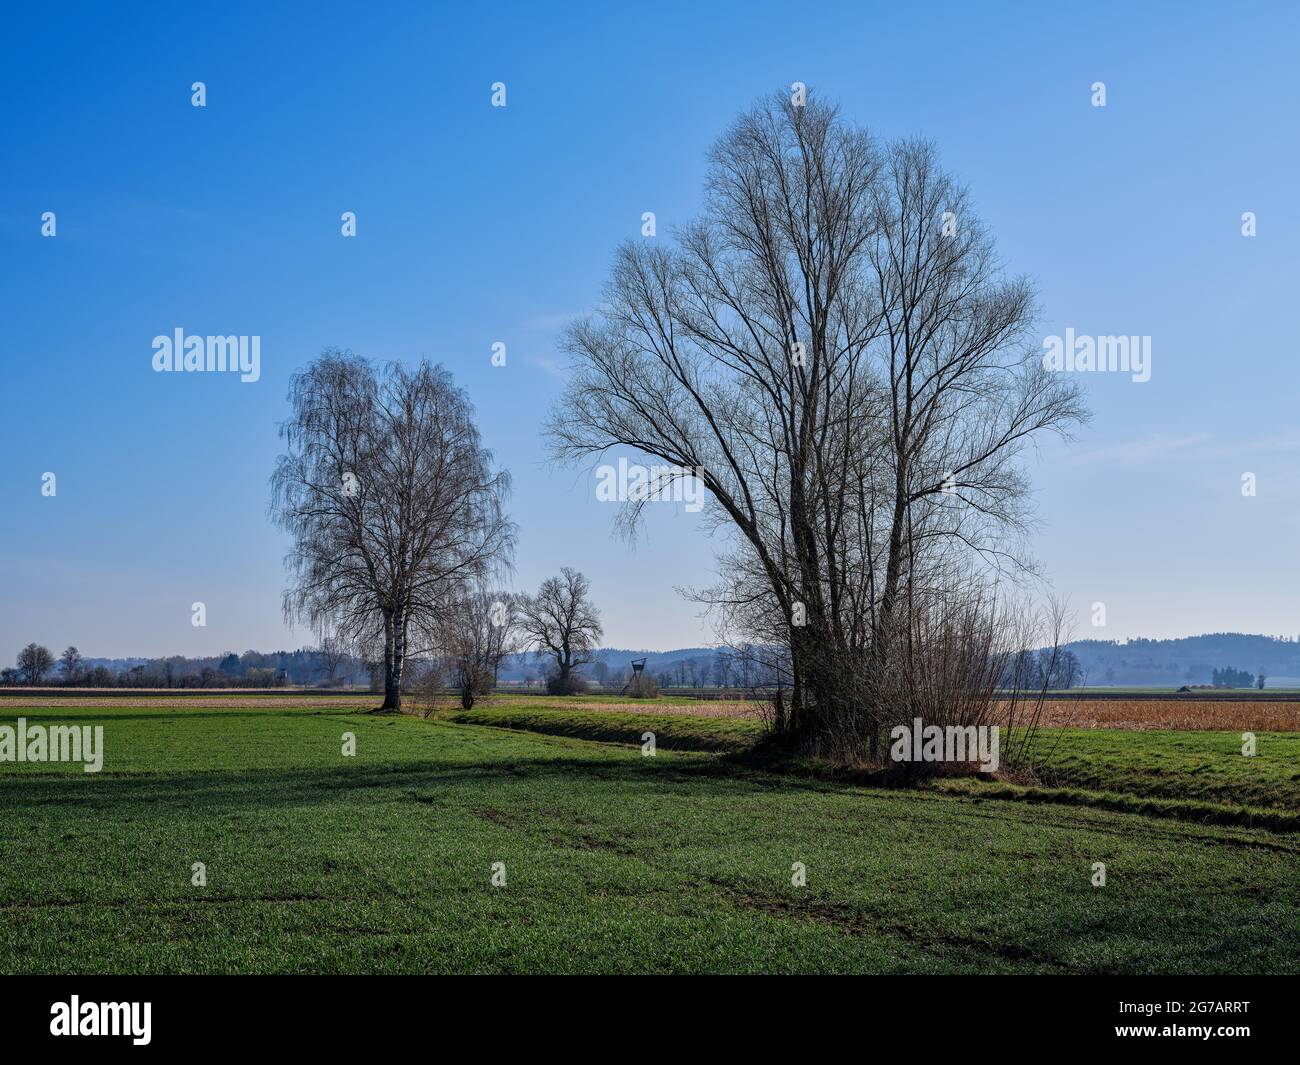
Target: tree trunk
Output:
[
  {"x": 883, "y": 637},
  {"x": 394, "y": 654}
]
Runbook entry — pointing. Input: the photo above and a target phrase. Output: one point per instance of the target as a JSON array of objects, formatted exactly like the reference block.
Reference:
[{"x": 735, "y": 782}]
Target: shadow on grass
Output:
[
  {"x": 756, "y": 772},
  {"x": 231, "y": 788},
  {"x": 113, "y": 715}
]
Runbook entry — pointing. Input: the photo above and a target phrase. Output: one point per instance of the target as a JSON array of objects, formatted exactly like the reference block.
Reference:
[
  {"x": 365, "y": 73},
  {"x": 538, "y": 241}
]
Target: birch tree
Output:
[{"x": 394, "y": 506}]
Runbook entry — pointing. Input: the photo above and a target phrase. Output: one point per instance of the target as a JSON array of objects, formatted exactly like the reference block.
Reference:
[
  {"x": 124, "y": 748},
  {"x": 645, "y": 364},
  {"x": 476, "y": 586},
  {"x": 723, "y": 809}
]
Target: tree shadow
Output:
[{"x": 303, "y": 786}]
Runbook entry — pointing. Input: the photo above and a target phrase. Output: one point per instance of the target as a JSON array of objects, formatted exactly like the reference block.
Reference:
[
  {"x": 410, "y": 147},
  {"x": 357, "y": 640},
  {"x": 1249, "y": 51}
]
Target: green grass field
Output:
[
  {"x": 614, "y": 862},
  {"x": 1199, "y": 768}
]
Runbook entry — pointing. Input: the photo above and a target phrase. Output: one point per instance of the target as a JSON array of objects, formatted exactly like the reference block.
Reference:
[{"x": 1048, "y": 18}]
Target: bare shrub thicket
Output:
[
  {"x": 962, "y": 664},
  {"x": 642, "y": 686}
]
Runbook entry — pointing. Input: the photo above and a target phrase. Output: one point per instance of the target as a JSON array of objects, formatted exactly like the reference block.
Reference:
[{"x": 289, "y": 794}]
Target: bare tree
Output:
[
  {"x": 35, "y": 661},
  {"x": 70, "y": 665},
  {"x": 851, "y": 376},
  {"x": 561, "y": 622},
  {"x": 394, "y": 506},
  {"x": 332, "y": 653},
  {"x": 476, "y": 633}
]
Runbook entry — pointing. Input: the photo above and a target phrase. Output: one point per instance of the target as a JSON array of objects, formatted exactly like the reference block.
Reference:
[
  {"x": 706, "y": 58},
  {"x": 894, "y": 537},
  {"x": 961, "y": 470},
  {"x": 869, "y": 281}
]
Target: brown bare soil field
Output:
[
  {"x": 1184, "y": 714},
  {"x": 1137, "y": 714},
  {"x": 1118, "y": 713}
]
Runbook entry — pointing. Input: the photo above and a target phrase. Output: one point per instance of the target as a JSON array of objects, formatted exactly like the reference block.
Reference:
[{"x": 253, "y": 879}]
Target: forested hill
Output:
[{"x": 1189, "y": 660}]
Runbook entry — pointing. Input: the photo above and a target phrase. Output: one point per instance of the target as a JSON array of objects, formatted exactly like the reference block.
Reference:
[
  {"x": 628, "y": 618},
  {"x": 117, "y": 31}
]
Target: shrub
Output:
[
  {"x": 573, "y": 684},
  {"x": 643, "y": 686}
]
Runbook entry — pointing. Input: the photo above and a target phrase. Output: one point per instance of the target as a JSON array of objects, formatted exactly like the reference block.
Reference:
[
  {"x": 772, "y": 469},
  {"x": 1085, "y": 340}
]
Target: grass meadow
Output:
[{"x": 613, "y": 861}]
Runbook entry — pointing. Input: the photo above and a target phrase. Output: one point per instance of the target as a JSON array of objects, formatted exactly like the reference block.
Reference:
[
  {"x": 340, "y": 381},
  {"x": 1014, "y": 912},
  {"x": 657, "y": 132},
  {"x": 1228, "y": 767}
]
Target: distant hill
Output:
[{"x": 1189, "y": 660}]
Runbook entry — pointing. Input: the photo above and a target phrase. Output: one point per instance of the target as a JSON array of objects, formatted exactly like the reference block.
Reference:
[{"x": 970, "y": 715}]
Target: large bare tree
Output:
[
  {"x": 833, "y": 347},
  {"x": 394, "y": 506},
  {"x": 560, "y": 622},
  {"x": 35, "y": 661}
]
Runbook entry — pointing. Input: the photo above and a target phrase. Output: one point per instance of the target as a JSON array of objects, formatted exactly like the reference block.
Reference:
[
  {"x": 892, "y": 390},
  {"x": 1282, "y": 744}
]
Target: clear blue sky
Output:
[{"x": 479, "y": 224}]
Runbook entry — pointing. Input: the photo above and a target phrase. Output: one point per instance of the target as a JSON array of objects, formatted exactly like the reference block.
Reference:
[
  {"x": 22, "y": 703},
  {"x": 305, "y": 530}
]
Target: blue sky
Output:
[{"x": 479, "y": 224}]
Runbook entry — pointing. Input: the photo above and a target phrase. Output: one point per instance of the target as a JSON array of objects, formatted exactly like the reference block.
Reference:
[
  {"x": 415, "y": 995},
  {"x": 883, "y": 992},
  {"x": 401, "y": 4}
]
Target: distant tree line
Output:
[
  {"x": 1227, "y": 677},
  {"x": 37, "y": 666},
  {"x": 1047, "y": 669},
  {"x": 473, "y": 662},
  {"x": 744, "y": 667}
]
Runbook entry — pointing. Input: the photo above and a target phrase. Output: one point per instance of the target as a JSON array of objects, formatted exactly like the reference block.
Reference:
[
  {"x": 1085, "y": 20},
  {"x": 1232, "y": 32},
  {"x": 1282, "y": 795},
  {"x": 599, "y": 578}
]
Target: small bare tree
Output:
[
  {"x": 393, "y": 504},
  {"x": 332, "y": 653},
  {"x": 560, "y": 622},
  {"x": 475, "y": 633},
  {"x": 70, "y": 665}
]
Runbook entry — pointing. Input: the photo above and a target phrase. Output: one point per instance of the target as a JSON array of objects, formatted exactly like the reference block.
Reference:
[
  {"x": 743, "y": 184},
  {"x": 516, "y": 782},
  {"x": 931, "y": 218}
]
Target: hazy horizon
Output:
[{"x": 636, "y": 649}]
